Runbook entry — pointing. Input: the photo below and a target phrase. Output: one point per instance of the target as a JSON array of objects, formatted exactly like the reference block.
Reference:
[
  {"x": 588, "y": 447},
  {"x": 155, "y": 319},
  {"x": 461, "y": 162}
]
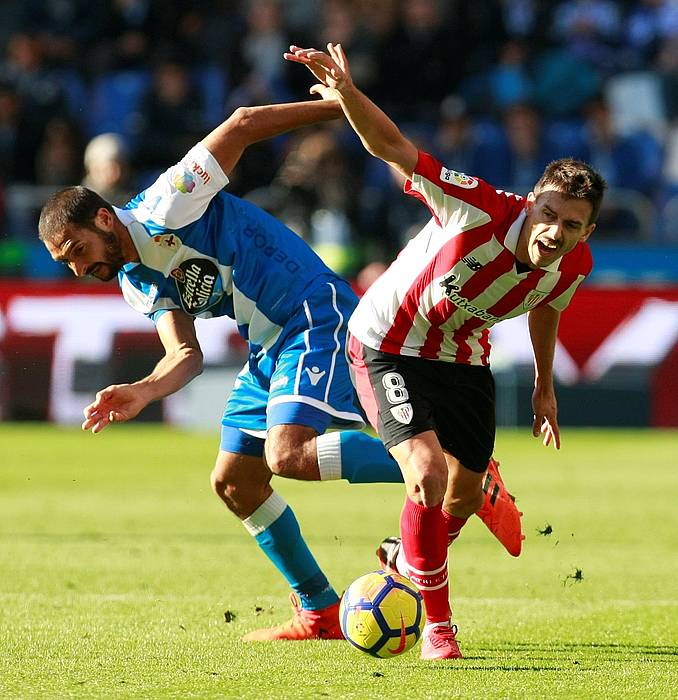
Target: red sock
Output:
[
  {"x": 453, "y": 525},
  {"x": 424, "y": 539}
]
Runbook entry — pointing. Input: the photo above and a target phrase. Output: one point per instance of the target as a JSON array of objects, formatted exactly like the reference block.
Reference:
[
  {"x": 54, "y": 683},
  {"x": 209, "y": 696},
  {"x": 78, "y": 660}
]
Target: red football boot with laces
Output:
[
  {"x": 499, "y": 511},
  {"x": 306, "y": 624},
  {"x": 439, "y": 643}
]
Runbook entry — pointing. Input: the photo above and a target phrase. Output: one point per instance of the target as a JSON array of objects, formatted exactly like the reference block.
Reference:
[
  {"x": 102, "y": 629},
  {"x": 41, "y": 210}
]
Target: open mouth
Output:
[{"x": 547, "y": 247}]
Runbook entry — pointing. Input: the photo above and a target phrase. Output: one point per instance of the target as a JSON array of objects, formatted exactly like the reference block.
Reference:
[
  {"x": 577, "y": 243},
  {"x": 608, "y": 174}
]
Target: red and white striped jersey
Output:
[{"x": 458, "y": 276}]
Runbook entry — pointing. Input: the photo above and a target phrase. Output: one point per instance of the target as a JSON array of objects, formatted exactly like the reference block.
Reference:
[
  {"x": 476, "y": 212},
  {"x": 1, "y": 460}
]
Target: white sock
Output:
[
  {"x": 265, "y": 515},
  {"x": 328, "y": 447}
]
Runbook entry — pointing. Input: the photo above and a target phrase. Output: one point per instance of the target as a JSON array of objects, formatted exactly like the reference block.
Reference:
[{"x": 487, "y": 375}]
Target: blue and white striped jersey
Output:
[{"x": 212, "y": 254}]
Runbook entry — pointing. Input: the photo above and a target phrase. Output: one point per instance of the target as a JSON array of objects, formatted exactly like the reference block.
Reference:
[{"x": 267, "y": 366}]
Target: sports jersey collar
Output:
[
  {"x": 127, "y": 218},
  {"x": 511, "y": 241}
]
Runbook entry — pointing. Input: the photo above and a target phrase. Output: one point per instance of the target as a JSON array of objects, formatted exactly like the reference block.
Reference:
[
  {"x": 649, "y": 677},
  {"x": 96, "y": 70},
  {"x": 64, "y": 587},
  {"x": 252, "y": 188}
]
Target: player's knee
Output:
[
  {"x": 221, "y": 484},
  {"x": 426, "y": 484},
  {"x": 235, "y": 494},
  {"x": 281, "y": 461}
]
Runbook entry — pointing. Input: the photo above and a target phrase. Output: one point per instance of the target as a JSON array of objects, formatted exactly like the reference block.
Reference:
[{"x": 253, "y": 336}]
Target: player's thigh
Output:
[{"x": 311, "y": 383}]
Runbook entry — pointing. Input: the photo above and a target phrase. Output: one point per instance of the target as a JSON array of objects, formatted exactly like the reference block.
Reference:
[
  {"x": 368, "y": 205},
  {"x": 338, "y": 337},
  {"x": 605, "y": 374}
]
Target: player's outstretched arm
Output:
[
  {"x": 181, "y": 363},
  {"x": 247, "y": 125},
  {"x": 543, "y": 324},
  {"x": 380, "y": 136}
]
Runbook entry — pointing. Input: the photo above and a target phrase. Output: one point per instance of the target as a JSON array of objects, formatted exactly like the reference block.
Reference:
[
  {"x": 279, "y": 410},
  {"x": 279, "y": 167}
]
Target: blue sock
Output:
[
  {"x": 357, "y": 457},
  {"x": 276, "y": 530}
]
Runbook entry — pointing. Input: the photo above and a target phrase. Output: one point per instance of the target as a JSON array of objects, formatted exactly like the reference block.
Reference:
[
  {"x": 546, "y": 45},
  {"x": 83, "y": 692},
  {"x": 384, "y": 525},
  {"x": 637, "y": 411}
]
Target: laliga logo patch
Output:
[
  {"x": 197, "y": 281},
  {"x": 533, "y": 298},
  {"x": 403, "y": 413},
  {"x": 458, "y": 179}
]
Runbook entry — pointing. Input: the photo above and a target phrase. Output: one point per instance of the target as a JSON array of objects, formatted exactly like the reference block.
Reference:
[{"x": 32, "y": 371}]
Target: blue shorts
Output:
[{"x": 303, "y": 379}]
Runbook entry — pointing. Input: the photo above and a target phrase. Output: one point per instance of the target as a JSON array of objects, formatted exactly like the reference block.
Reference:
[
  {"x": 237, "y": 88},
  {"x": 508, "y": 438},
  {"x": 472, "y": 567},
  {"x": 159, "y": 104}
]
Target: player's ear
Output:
[
  {"x": 103, "y": 218},
  {"x": 587, "y": 232},
  {"x": 529, "y": 202}
]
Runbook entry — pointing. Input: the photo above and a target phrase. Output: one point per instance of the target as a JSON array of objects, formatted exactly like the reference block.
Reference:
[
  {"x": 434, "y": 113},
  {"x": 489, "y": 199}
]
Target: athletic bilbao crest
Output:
[
  {"x": 533, "y": 298},
  {"x": 198, "y": 283},
  {"x": 403, "y": 413}
]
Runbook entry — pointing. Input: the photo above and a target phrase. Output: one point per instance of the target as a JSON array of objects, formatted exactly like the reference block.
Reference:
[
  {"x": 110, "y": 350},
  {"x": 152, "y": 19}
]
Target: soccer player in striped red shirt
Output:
[{"x": 420, "y": 336}]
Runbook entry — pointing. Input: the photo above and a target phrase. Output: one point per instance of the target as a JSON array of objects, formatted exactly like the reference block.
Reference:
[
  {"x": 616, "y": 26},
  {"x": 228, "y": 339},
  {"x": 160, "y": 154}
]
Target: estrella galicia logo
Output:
[{"x": 198, "y": 283}]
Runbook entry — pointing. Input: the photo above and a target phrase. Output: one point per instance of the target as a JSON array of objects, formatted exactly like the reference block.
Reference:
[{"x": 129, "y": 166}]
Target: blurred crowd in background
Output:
[{"x": 109, "y": 93}]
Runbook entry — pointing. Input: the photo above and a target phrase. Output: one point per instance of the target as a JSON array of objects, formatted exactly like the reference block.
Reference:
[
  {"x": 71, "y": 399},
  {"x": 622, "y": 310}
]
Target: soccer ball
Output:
[{"x": 382, "y": 614}]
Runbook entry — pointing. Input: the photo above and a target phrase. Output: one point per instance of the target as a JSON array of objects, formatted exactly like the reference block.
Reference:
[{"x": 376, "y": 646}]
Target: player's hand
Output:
[
  {"x": 546, "y": 416},
  {"x": 330, "y": 68},
  {"x": 114, "y": 404}
]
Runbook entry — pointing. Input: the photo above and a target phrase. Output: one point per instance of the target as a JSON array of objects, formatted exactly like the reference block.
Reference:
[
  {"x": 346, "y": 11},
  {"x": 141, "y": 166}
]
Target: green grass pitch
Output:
[{"x": 119, "y": 570}]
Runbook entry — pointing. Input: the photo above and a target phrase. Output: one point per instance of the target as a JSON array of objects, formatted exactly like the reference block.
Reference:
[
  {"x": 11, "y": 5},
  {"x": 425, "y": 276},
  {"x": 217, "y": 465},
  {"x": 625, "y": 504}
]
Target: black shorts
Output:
[{"x": 404, "y": 396}]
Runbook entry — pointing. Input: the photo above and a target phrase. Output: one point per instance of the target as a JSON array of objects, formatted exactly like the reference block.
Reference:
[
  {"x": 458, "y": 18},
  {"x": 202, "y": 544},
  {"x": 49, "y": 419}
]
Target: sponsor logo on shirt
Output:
[
  {"x": 196, "y": 280},
  {"x": 261, "y": 242},
  {"x": 472, "y": 263},
  {"x": 458, "y": 179},
  {"x": 183, "y": 182},
  {"x": 451, "y": 291},
  {"x": 533, "y": 298},
  {"x": 201, "y": 172}
]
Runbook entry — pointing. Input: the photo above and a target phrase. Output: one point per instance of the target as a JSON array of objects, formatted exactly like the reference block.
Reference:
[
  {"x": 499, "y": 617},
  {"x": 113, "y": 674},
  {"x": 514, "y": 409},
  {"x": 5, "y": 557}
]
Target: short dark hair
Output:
[
  {"x": 75, "y": 206},
  {"x": 574, "y": 179}
]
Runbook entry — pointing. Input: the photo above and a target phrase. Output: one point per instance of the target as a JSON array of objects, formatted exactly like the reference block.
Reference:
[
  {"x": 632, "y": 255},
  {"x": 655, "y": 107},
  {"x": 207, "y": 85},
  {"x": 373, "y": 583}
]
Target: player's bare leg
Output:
[{"x": 242, "y": 482}]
